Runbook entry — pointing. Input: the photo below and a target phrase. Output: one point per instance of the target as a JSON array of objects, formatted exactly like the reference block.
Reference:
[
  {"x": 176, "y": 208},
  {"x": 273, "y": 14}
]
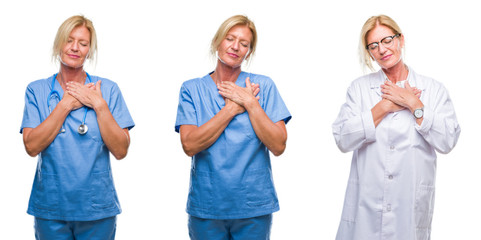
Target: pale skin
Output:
[
  {"x": 394, "y": 98},
  {"x": 232, "y": 51},
  {"x": 76, "y": 95}
]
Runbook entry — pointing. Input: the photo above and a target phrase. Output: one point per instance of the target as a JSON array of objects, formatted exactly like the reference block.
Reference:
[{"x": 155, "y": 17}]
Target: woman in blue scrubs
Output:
[
  {"x": 229, "y": 121},
  {"x": 73, "y": 121}
]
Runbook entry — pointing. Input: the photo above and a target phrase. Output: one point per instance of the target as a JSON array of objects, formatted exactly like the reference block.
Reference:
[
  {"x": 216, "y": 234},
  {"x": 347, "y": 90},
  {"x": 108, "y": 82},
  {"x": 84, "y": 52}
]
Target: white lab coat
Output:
[{"x": 390, "y": 192}]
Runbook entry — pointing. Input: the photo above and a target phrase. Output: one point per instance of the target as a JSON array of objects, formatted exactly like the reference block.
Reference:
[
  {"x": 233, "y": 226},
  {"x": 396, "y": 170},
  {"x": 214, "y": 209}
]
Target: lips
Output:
[
  {"x": 386, "y": 57},
  {"x": 73, "y": 56},
  {"x": 233, "y": 55}
]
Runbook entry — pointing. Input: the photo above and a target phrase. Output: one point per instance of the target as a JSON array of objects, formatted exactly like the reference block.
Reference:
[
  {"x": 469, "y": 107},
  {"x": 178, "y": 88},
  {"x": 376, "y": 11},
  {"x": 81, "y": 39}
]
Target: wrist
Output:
[
  {"x": 251, "y": 103},
  {"x": 66, "y": 106},
  {"x": 417, "y": 104},
  {"x": 100, "y": 105},
  {"x": 231, "y": 109}
]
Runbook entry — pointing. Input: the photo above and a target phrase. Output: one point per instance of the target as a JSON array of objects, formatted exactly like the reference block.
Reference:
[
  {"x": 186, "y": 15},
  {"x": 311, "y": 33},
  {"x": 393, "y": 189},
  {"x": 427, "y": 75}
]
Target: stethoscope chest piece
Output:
[{"x": 82, "y": 129}]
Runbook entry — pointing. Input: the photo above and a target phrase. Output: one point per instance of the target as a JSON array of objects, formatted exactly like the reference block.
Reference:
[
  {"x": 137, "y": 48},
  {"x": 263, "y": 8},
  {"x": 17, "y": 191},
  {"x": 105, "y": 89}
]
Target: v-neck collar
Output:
[
  {"x": 377, "y": 79},
  {"x": 240, "y": 81}
]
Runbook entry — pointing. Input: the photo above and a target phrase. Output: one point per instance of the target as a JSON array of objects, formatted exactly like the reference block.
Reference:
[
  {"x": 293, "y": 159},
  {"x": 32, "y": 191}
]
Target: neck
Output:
[
  {"x": 225, "y": 73},
  {"x": 68, "y": 74},
  {"x": 398, "y": 72}
]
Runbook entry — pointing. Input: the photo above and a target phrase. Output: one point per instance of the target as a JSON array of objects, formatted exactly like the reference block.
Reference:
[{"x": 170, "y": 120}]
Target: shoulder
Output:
[
  {"x": 105, "y": 81},
  {"x": 366, "y": 82},
  {"x": 108, "y": 86},
  {"x": 41, "y": 83},
  {"x": 192, "y": 82},
  {"x": 259, "y": 78},
  {"x": 368, "y": 79},
  {"x": 39, "y": 87},
  {"x": 195, "y": 83},
  {"x": 425, "y": 82}
]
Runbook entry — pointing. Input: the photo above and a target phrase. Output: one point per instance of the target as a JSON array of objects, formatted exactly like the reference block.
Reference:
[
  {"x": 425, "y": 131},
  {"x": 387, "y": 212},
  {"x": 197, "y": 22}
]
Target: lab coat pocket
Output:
[
  {"x": 424, "y": 207},
  {"x": 102, "y": 190},
  {"x": 259, "y": 188},
  {"x": 46, "y": 192},
  {"x": 349, "y": 210},
  {"x": 200, "y": 192}
]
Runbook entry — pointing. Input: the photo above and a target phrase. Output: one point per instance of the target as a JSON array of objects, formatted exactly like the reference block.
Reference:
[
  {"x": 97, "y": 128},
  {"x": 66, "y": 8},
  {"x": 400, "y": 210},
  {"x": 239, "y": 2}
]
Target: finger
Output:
[
  {"x": 97, "y": 86},
  {"x": 248, "y": 83},
  {"x": 407, "y": 86},
  {"x": 225, "y": 85},
  {"x": 386, "y": 96},
  {"x": 256, "y": 91},
  {"x": 222, "y": 87}
]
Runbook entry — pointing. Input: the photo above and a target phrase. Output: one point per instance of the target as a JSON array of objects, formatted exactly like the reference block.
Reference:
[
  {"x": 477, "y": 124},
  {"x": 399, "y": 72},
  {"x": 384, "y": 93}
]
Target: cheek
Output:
[{"x": 86, "y": 52}]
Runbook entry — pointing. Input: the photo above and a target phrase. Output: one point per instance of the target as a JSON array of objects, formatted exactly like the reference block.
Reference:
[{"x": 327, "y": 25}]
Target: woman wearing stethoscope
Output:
[{"x": 72, "y": 121}]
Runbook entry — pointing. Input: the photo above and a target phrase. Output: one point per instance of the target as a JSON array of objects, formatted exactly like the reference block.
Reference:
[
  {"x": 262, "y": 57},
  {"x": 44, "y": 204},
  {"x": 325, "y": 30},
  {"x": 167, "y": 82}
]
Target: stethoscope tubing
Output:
[{"x": 83, "y": 127}]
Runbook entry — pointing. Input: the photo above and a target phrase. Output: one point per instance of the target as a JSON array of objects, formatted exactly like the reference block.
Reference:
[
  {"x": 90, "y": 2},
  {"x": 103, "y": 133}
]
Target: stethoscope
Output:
[{"x": 83, "y": 128}]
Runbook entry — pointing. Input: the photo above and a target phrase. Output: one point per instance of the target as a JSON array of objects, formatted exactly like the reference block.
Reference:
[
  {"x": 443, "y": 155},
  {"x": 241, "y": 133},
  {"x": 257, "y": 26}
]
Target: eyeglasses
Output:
[{"x": 386, "y": 42}]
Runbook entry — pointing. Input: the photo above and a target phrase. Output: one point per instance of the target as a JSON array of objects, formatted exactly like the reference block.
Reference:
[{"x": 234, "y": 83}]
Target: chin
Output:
[
  {"x": 72, "y": 64},
  {"x": 231, "y": 64}
]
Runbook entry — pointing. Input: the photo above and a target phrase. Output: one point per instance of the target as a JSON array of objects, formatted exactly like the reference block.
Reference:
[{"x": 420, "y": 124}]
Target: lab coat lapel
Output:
[{"x": 375, "y": 82}]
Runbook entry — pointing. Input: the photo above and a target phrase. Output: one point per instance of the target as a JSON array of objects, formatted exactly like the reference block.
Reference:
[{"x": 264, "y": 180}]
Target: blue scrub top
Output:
[
  {"x": 232, "y": 179},
  {"x": 73, "y": 181}
]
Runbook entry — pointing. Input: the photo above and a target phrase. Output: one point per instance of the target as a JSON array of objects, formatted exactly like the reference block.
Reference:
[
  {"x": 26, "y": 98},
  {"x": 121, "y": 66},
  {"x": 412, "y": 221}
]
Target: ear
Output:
[{"x": 401, "y": 40}]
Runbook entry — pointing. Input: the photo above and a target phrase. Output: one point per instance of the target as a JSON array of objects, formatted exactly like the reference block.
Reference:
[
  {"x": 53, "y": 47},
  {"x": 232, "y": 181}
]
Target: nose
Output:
[
  {"x": 235, "y": 45},
  {"x": 74, "y": 46},
  {"x": 381, "y": 49}
]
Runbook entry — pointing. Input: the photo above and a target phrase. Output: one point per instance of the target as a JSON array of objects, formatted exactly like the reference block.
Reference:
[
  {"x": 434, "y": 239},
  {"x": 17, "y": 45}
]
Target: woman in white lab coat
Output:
[{"x": 393, "y": 120}]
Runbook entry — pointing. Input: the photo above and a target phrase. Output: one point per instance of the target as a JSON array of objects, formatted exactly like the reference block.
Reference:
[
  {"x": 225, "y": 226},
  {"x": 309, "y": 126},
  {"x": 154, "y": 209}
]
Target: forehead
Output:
[
  {"x": 80, "y": 32},
  {"x": 379, "y": 32},
  {"x": 241, "y": 31}
]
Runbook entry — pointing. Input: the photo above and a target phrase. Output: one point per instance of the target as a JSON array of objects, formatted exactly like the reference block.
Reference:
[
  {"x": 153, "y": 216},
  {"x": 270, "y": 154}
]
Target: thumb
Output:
[
  {"x": 97, "y": 85},
  {"x": 407, "y": 86},
  {"x": 248, "y": 83}
]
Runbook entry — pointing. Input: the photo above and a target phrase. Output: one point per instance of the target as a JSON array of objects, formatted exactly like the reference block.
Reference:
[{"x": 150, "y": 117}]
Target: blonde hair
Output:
[
  {"x": 64, "y": 31},
  {"x": 371, "y": 23},
  {"x": 225, "y": 28}
]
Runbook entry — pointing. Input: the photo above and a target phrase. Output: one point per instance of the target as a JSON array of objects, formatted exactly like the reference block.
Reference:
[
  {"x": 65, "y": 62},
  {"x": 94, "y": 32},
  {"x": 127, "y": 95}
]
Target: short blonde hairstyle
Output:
[
  {"x": 64, "y": 31},
  {"x": 226, "y": 26},
  {"x": 371, "y": 23}
]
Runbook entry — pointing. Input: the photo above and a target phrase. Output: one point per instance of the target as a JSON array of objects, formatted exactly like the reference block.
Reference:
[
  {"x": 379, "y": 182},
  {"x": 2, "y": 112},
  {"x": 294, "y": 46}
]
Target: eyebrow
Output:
[
  {"x": 80, "y": 40},
  {"x": 242, "y": 40}
]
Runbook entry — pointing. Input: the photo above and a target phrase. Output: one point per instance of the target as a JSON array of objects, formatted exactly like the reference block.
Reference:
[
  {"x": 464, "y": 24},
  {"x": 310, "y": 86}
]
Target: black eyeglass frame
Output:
[{"x": 392, "y": 38}]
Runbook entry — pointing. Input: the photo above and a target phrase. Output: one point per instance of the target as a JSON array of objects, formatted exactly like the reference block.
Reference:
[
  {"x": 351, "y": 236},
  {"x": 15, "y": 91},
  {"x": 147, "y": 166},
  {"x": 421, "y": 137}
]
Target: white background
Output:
[{"x": 309, "y": 48}]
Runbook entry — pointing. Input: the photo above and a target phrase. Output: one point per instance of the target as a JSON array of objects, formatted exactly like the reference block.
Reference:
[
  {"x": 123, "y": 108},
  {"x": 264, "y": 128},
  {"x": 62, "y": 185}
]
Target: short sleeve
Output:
[
  {"x": 119, "y": 109},
  {"x": 31, "y": 112},
  {"x": 274, "y": 106},
  {"x": 186, "y": 114}
]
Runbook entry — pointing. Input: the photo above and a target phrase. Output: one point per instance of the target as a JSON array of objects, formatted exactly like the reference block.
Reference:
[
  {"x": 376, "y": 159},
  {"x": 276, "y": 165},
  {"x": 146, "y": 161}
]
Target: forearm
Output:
[
  {"x": 115, "y": 138},
  {"x": 272, "y": 135},
  {"x": 379, "y": 112},
  {"x": 38, "y": 138},
  {"x": 196, "y": 139}
]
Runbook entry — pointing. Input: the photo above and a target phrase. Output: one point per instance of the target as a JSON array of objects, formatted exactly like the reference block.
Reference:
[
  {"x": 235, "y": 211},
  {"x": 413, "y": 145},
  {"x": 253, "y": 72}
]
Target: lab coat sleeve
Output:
[
  {"x": 440, "y": 127},
  {"x": 353, "y": 127}
]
